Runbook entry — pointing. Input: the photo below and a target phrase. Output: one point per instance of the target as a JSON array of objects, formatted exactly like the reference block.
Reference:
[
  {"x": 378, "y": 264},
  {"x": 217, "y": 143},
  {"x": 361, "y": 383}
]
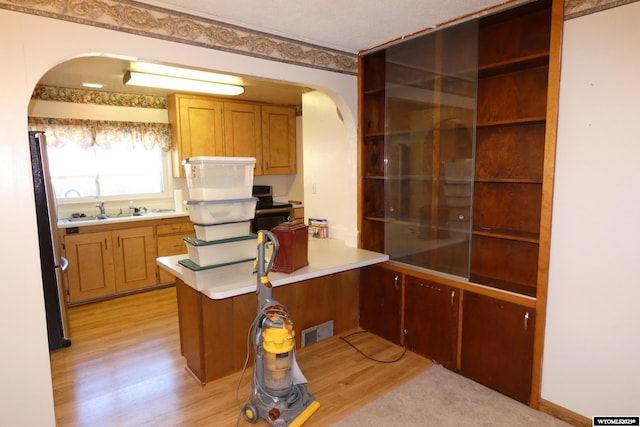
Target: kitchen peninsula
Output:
[{"x": 214, "y": 321}]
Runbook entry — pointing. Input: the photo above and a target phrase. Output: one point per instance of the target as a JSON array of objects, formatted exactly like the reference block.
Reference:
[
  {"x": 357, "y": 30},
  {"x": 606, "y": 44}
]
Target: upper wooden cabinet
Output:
[
  {"x": 196, "y": 128},
  {"x": 278, "y": 140},
  {"x": 243, "y": 132},
  {"x": 204, "y": 126}
]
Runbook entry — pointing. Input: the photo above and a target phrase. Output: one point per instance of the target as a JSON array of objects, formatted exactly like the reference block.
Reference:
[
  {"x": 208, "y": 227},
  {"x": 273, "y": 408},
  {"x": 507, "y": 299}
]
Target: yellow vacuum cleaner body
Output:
[{"x": 276, "y": 395}]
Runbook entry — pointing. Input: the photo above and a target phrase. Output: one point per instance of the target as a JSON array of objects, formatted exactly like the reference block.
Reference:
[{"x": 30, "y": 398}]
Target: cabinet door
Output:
[
  {"x": 497, "y": 344},
  {"x": 380, "y": 302},
  {"x": 171, "y": 245},
  {"x": 196, "y": 128},
  {"x": 431, "y": 320},
  {"x": 242, "y": 132},
  {"x": 278, "y": 140},
  {"x": 134, "y": 258},
  {"x": 90, "y": 271}
]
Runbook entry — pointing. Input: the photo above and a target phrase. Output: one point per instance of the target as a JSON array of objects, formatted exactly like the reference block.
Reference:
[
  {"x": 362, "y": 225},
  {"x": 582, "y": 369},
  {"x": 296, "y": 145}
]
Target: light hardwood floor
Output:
[{"x": 124, "y": 369}]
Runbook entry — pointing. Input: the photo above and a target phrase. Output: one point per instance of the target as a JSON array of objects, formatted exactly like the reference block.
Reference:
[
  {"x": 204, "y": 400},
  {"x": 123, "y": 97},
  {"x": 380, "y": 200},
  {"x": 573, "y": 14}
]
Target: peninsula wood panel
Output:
[{"x": 213, "y": 333}]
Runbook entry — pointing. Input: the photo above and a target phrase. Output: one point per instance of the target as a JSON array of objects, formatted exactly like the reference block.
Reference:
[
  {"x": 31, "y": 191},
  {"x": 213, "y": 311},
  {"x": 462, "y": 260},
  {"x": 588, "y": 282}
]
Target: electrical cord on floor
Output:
[{"x": 397, "y": 359}]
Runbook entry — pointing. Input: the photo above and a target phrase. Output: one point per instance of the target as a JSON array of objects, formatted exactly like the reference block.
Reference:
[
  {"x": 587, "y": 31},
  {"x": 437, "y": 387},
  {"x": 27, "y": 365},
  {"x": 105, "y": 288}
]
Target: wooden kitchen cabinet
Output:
[
  {"x": 207, "y": 126},
  {"x": 278, "y": 140},
  {"x": 91, "y": 271},
  {"x": 196, "y": 128},
  {"x": 431, "y": 313},
  {"x": 103, "y": 264},
  {"x": 243, "y": 132},
  {"x": 381, "y": 302},
  {"x": 170, "y": 241},
  {"x": 497, "y": 344},
  {"x": 134, "y": 256}
]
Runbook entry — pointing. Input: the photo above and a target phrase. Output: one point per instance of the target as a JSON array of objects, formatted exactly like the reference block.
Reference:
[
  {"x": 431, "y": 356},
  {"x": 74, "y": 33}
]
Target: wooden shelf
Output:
[
  {"x": 514, "y": 65},
  {"x": 509, "y": 180},
  {"x": 511, "y": 122},
  {"x": 506, "y": 234},
  {"x": 519, "y": 288}
]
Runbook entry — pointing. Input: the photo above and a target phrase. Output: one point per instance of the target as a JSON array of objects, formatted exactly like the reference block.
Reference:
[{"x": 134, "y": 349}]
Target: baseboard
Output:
[{"x": 564, "y": 414}]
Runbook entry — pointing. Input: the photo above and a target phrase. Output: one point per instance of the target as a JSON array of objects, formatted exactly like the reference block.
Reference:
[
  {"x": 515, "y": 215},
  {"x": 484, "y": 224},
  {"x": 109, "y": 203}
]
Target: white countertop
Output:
[
  {"x": 326, "y": 256},
  {"x": 65, "y": 223}
]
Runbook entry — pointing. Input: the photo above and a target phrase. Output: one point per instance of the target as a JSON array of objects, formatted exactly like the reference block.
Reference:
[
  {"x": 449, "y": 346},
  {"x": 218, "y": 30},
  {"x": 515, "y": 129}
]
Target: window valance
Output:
[{"x": 102, "y": 133}]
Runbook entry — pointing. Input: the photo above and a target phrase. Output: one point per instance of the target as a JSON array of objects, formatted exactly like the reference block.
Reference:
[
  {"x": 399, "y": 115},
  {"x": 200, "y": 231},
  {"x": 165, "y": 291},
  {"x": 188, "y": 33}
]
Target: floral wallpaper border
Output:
[
  {"x": 137, "y": 18},
  {"x": 576, "y": 8},
  {"x": 152, "y": 21},
  {"x": 88, "y": 96}
]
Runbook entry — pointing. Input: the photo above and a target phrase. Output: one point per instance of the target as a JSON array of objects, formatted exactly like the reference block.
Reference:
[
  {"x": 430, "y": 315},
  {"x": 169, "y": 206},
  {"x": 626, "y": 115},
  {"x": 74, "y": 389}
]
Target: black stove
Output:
[
  {"x": 264, "y": 193},
  {"x": 269, "y": 213}
]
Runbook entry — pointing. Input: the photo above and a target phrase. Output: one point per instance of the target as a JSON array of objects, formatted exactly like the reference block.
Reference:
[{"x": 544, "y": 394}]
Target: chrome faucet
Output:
[{"x": 100, "y": 206}]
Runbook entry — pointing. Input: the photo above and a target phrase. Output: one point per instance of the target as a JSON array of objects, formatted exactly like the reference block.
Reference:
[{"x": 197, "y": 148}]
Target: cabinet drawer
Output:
[
  {"x": 172, "y": 245},
  {"x": 181, "y": 227}
]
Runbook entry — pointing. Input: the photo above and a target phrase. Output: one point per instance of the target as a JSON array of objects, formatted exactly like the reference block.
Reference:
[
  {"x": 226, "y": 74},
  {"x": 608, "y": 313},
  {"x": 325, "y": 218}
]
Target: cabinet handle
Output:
[
  {"x": 526, "y": 321},
  {"x": 105, "y": 244},
  {"x": 453, "y": 295},
  {"x": 118, "y": 241},
  {"x": 395, "y": 281}
]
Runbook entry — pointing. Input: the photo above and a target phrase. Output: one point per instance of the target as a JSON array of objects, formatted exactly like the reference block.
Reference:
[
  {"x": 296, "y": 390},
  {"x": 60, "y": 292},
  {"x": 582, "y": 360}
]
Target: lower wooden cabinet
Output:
[
  {"x": 109, "y": 262},
  {"x": 431, "y": 320},
  {"x": 170, "y": 241},
  {"x": 481, "y": 337},
  {"x": 497, "y": 344},
  {"x": 381, "y": 302},
  {"x": 134, "y": 258},
  {"x": 90, "y": 273}
]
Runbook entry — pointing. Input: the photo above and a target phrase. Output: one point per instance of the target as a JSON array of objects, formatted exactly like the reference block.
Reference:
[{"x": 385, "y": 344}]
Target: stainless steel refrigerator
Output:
[{"x": 51, "y": 263}]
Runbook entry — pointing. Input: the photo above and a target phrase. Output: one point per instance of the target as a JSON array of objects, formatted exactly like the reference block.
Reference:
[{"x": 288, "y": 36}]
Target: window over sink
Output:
[{"x": 106, "y": 159}]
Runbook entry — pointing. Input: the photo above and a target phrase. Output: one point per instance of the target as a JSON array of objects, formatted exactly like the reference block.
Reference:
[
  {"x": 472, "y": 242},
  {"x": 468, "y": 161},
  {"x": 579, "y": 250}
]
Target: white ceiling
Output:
[{"x": 346, "y": 25}]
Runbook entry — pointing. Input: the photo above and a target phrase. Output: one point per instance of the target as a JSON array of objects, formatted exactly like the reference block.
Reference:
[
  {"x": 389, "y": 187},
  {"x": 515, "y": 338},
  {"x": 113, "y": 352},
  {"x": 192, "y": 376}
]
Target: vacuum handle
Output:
[{"x": 262, "y": 242}]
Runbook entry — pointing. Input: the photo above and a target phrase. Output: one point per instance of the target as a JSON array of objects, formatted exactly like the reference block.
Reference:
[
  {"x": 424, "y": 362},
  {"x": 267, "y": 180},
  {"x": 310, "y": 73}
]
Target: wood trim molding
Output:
[
  {"x": 151, "y": 21},
  {"x": 564, "y": 414}
]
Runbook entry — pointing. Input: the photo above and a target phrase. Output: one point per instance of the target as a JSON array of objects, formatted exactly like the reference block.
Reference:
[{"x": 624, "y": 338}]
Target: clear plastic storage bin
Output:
[
  {"x": 217, "y": 178},
  {"x": 220, "y": 211},
  {"x": 221, "y": 251},
  {"x": 239, "y": 272},
  {"x": 227, "y": 230}
]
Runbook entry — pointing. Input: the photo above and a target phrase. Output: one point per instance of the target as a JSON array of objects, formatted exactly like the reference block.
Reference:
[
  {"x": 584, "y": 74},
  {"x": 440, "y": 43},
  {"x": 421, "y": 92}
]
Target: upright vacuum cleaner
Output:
[{"x": 277, "y": 396}]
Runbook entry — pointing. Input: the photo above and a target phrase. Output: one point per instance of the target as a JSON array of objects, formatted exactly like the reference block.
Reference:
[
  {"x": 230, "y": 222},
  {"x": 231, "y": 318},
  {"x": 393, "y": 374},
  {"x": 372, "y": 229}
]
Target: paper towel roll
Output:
[{"x": 178, "y": 201}]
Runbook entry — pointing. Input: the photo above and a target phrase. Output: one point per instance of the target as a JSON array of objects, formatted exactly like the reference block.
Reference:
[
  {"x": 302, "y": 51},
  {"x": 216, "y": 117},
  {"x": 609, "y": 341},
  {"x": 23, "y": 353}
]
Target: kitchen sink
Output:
[
  {"x": 85, "y": 218},
  {"x": 99, "y": 217}
]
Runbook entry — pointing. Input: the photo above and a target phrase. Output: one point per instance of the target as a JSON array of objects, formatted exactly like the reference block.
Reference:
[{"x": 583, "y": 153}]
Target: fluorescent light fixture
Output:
[
  {"x": 185, "y": 73},
  {"x": 92, "y": 85},
  {"x": 149, "y": 74},
  {"x": 167, "y": 82}
]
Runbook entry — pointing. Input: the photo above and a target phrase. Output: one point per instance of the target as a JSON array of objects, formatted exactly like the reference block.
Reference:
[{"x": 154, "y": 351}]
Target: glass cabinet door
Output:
[{"x": 429, "y": 121}]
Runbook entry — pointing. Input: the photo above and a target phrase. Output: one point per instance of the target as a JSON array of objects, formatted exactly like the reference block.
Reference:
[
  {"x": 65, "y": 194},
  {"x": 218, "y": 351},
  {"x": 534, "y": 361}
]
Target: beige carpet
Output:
[{"x": 439, "y": 397}]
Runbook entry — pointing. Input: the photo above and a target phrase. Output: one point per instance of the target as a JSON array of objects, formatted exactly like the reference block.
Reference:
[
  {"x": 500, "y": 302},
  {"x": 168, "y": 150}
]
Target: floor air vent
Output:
[{"x": 317, "y": 333}]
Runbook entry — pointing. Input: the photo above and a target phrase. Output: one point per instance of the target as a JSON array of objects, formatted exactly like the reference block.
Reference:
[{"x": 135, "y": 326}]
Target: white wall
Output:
[
  {"x": 330, "y": 173},
  {"x": 592, "y": 345},
  {"x": 31, "y": 45}
]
